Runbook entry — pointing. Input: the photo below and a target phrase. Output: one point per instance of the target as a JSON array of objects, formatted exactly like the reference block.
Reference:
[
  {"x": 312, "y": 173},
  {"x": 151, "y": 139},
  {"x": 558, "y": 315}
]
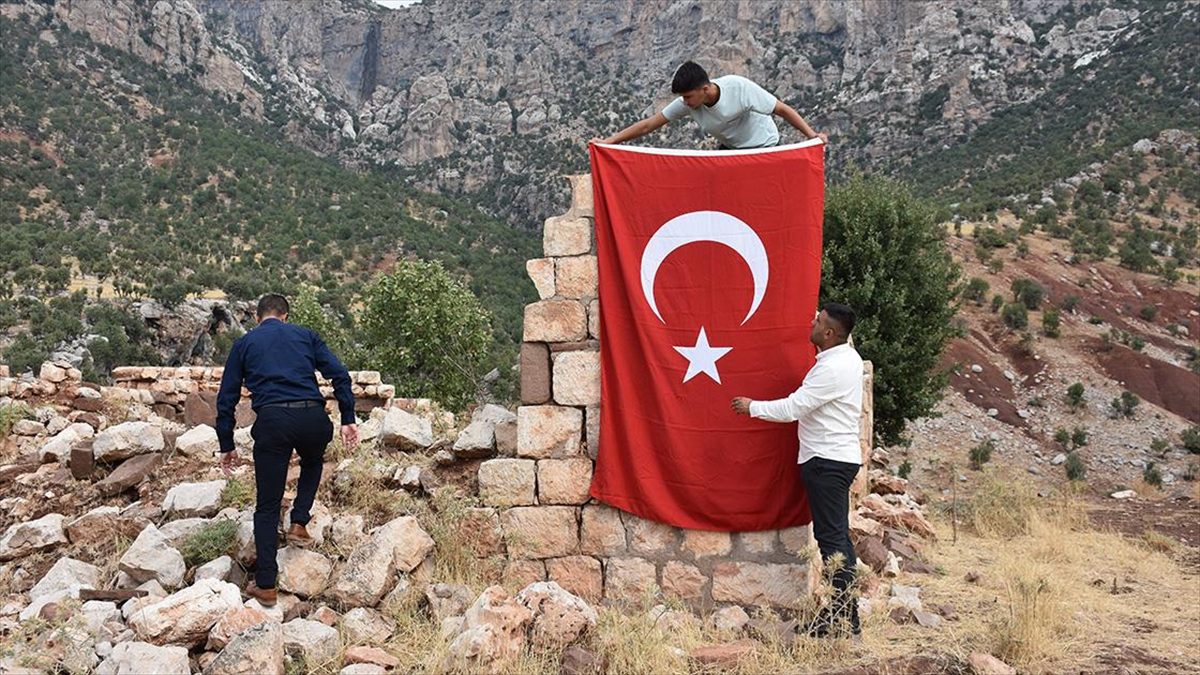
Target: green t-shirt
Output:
[{"x": 741, "y": 117}]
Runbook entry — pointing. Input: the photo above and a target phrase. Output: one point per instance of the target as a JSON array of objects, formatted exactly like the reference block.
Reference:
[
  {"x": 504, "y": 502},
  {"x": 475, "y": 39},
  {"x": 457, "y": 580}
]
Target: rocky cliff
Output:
[{"x": 497, "y": 99}]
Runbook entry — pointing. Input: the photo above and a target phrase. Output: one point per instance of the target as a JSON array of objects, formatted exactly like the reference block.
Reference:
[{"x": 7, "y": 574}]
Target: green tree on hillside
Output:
[{"x": 886, "y": 256}]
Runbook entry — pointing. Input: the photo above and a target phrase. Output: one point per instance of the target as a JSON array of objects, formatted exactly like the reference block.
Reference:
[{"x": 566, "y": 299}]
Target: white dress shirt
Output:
[{"x": 827, "y": 405}]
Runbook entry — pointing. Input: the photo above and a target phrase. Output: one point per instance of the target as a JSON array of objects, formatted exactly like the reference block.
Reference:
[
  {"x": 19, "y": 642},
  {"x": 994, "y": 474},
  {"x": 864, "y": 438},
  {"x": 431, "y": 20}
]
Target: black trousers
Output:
[
  {"x": 828, "y": 485},
  {"x": 277, "y": 431}
]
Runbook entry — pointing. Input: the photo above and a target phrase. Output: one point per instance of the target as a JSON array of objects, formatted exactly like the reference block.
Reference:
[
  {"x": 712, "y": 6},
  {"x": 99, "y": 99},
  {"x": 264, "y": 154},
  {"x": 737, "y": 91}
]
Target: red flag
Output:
[{"x": 709, "y": 266}]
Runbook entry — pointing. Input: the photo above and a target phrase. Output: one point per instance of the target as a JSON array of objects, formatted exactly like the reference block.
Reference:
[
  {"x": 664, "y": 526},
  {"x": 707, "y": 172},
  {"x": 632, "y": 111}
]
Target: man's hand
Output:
[
  {"x": 740, "y": 405},
  {"x": 350, "y": 436},
  {"x": 228, "y": 461},
  {"x": 824, "y": 138}
]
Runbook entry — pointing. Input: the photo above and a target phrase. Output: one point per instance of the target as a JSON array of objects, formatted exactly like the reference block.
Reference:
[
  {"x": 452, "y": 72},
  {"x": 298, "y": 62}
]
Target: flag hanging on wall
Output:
[{"x": 709, "y": 268}]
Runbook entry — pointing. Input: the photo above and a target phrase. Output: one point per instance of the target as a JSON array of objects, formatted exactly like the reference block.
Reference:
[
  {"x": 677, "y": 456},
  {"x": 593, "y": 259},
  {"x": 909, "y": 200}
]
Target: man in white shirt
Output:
[
  {"x": 828, "y": 406},
  {"x": 732, "y": 109}
]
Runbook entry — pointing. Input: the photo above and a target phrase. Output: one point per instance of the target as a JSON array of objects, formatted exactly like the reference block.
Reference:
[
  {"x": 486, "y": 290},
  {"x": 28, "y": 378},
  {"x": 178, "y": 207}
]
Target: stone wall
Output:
[{"x": 537, "y": 500}]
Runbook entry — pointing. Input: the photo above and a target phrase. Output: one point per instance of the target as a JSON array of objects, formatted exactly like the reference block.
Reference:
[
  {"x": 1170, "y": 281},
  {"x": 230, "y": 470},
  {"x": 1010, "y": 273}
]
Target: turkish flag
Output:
[{"x": 709, "y": 267}]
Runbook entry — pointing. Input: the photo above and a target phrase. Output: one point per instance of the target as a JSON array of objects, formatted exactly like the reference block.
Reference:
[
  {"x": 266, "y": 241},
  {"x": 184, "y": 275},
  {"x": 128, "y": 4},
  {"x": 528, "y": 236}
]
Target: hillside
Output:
[{"x": 124, "y": 181}]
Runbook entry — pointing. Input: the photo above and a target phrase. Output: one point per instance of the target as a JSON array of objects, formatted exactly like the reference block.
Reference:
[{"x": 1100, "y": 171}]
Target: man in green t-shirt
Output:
[{"x": 732, "y": 109}]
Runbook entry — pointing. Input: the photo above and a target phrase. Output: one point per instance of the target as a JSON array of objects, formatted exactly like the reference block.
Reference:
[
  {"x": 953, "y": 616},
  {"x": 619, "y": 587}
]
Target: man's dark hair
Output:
[
  {"x": 273, "y": 304},
  {"x": 689, "y": 76},
  {"x": 842, "y": 316}
]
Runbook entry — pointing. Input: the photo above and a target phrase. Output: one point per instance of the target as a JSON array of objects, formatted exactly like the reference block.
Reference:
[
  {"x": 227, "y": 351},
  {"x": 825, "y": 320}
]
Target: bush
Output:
[
  {"x": 1050, "y": 322},
  {"x": 1152, "y": 475},
  {"x": 997, "y": 303},
  {"x": 1160, "y": 446},
  {"x": 1015, "y": 316},
  {"x": 1028, "y": 292},
  {"x": 210, "y": 542},
  {"x": 976, "y": 290},
  {"x": 1124, "y": 405},
  {"x": 1069, "y": 303},
  {"x": 1075, "y": 467},
  {"x": 981, "y": 454},
  {"x": 1191, "y": 439},
  {"x": 893, "y": 267},
  {"x": 904, "y": 470},
  {"x": 1079, "y": 437},
  {"x": 1148, "y": 312},
  {"x": 1075, "y": 396},
  {"x": 10, "y": 414},
  {"x": 1063, "y": 438}
]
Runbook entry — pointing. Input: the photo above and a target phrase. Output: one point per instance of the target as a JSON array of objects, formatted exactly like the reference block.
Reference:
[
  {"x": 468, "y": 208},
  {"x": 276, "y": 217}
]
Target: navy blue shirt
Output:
[{"x": 277, "y": 361}]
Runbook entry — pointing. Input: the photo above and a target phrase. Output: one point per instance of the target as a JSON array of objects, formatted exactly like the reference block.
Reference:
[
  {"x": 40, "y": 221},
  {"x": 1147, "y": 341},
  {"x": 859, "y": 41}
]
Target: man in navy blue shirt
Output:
[{"x": 276, "y": 361}]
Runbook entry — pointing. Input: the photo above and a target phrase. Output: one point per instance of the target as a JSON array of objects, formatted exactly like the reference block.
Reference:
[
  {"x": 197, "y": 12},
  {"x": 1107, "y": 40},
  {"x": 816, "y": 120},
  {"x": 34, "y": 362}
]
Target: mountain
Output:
[{"x": 496, "y": 99}]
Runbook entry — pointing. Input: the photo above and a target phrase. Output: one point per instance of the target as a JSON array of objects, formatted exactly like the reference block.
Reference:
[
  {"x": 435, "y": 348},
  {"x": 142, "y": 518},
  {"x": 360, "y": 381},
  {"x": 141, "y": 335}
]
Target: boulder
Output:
[
  {"x": 185, "y": 617},
  {"x": 142, "y": 657},
  {"x": 219, "y": 569},
  {"x": 257, "y": 651},
  {"x": 985, "y": 664},
  {"x": 304, "y": 573},
  {"x": 21, "y": 539},
  {"x": 199, "y": 441},
  {"x": 404, "y": 431},
  {"x": 58, "y": 449},
  {"x": 479, "y": 438},
  {"x": 67, "y": 575},
  {"x": 559, "y": 617},
  {"x": 152, "y": 557},
  {"x": 312, "y": 643},
  {"x": 371, "y": 655},
  {"x": 363, "y": 625},
  {"x": 730, "y": 619},
  {"x": 129, "y": 474},
  {"x": 234, "y": 621},
  {"x": 126, "y": 440},
  {"x": 368, "y": 572},
  {"x": 447, "y": 600},
  {"x": 493, "y": 633},
  {"x": 194, "y": 500}
]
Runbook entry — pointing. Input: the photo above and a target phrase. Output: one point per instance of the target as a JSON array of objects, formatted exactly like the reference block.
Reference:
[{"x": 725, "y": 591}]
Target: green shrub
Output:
[
  {"x": 997, "y": 303},
  {"x": 1069, "y": 303},
  {"x": 1028, "y": 292},
  {"x": 1191, "y": 439},
  {"x": 1063, "y": 438},
  {"x": 10, "y": 414},
  {"x": 905, "y": 469},
  {"x": 1160, "y": 446},
  {"x": 1079, "y": 437},
  {"x": 1148, "y": 312},
  {"x": 238, "y": 493},
  {"x": 210, "y": 542},
  {"x": 1050, "y": 322},
  {"x": 1075, "y": 467},
  {"x": 894, "y": 269},
  {"x": 976, "y": 290},
  {"x": 981, "y": 454},
  {"x": 1075, "y": 396},
  {"x": 1124, "y": 405},
  {"x": 1015, "y": 316},
  {"x": 1152, "y": 475}
]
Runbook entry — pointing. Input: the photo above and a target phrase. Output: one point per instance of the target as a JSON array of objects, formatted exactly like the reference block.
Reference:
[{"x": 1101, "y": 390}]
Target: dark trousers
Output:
[
  {"x": 277, "y": 432},
  {"x": 828, "y": 485}
]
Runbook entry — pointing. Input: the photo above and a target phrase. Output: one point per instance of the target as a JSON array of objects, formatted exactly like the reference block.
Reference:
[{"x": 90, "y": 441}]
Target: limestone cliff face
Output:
[{"x": 469, "y": 94}]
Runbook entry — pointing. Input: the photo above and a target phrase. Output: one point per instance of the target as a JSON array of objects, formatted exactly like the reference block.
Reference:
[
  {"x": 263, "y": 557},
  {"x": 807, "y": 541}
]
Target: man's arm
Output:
[
  {"x": 820, "y": 386},
  {"x": 332, "y": 369},
  {"x": 793, "y": 118},
  {"x": 228, "y": 396},
  {"x": 636, "y": 130}
]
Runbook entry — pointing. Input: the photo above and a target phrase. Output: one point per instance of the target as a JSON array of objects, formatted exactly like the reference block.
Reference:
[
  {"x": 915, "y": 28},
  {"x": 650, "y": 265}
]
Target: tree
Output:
[
  {"x": 424, "y": 329},
  {"x": 886, "y": 256}
]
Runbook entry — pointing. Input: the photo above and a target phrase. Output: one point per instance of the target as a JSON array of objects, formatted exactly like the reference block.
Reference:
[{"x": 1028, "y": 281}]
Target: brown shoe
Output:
[
  {"x": 265, "y": 596},
  {"x": 297, "y": 535}
]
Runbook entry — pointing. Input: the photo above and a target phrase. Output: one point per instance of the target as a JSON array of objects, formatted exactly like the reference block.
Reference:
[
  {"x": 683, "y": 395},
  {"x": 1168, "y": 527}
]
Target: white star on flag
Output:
[{"x": 702, "y": 358}]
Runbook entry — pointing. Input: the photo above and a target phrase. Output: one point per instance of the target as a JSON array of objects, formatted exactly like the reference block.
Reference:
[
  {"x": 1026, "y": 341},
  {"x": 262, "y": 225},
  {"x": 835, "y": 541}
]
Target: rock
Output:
[
  {"x": 992, "y": 412},
  {"x": 126, "y": 440},
  {"x": 576, "y": 378},
  {"x": 493, "y": 633},
  {"x": 142, "y": 657},
  {"x": 369, "y": 571},
  {"x": 547, "y": 431},
  {"x": 21, "y": 539},
  {"x": 257, "y": 651},
  {"x": 972, "y": 577},
  {"x": 51, "y": 372},
  {"x": 479, "y": 438},
  {"x": 233, "y": 622},
  {"x": 725, "y": 656},
  {"x": 152, "y": 557},
  {"x": 559, "y": 617},
  {"x": 320, "y": 520},
  {"x": 905, "y": 596},
  {"x": 304, "y": 573},
  {"x": 540, "y": 531},
  {"x": 579, "y": 661},
  {"x": 129, "y": 474},
  {"x": 1058, "y": 459},
  {"x": 1123, "y": 494},
  {"x": 194, "y": 500},
  {"x": 67, "y": 575},
  {"x": 199, "y": 441},
  {"x": 81, "y": 461},
  {"x": 926, "y": 619},
  {"x": 404, "y": 431},
  {"x": 363, "y": 669},
  {"x": 312, "y": 643},
  {"x": 745, "y": 583},
  {"x": 179, "y": 531},
  {"x": 371, "y": 655},
  {"x": 986, "y": 664},
  {"x": 219, "y": 569},
  {"x": 447, "y": 600},
  {"x": 364, "y": 625},
  {"x": 185, "y": 617},
  {"x": 200, "y": 409},
  {"x": 905, "y": 517},
  {"x": 25, "y": 427},
  {"x": 730, "y": 619},
  {"x": 891, "y": 568},
  {"x": 58, "y": 449},
  {"x": 325, "y": 615}
]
